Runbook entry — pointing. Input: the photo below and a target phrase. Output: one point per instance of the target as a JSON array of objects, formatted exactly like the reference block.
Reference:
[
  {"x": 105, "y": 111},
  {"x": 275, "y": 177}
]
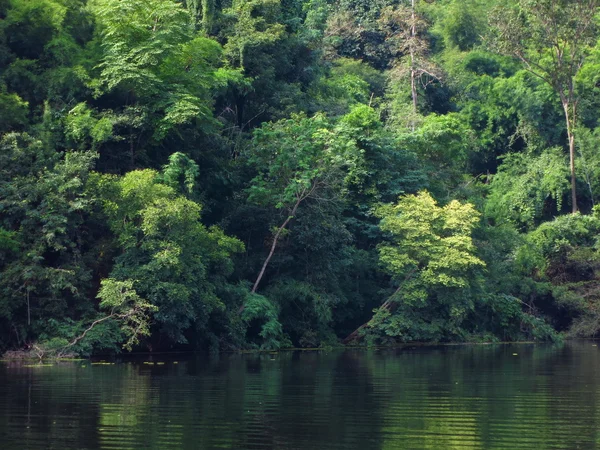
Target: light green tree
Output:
[
  {"x": 172, "y": 260},
  {"x": 430, "y": 250}
]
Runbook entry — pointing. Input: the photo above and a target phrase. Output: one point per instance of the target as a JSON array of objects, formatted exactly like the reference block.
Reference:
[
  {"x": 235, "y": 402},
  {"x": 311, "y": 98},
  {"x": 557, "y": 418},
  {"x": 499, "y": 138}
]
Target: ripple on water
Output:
[{"x": 425, "y": 398}]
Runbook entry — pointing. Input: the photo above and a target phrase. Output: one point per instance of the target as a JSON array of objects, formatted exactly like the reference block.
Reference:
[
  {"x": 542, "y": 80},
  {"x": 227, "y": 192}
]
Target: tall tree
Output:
[
  {"x": 430, "y": 252},
  {"x": 552, "y": 38},
  {"x": 404, "y": 29},
  {"x": 298, "y": 159}
]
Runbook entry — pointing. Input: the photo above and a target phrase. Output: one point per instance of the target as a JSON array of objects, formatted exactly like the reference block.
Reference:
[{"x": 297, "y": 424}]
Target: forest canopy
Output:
[{"x": 263, "y": 174}]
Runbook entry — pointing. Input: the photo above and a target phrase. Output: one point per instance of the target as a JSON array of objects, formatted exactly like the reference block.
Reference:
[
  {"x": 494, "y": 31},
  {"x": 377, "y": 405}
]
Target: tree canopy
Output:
[{"x": 267, "y": 174}]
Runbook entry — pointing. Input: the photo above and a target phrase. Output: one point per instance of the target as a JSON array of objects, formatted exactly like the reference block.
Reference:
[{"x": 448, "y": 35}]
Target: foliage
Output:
[
  {"x": 431, "y": 258},
  {"x": 260, "y": 309},
  {"x": 43, "y": 204},
  {"x": 552, "y": 39},
  {"x": 254, "y": 24},
  {"x": 300, "y": 158},
  {"x": 444, "y": 144},
  {"x": 167, "y": 255},
  {"x": 13, "y": 112},
  {"x": 180, "y": 173},
  {"x": 162, "y": 161},
  {"x": 125, "y": 306},
  {"x": 524, "y": 185}
]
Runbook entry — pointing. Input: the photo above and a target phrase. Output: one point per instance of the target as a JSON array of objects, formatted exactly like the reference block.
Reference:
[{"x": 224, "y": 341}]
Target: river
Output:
[{"x": 521, "y": 396}]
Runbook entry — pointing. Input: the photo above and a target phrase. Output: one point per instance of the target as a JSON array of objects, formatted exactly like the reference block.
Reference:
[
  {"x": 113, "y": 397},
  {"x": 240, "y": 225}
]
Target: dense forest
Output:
[{"x": 239, "y": 174}]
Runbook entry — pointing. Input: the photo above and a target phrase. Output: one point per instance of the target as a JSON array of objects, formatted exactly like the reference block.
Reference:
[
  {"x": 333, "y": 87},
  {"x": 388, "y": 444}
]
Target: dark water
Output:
[{"x": 471, "y": 397}]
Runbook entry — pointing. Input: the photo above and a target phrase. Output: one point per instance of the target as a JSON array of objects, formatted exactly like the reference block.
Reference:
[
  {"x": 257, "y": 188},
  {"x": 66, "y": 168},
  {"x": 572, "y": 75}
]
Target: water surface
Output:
[{"x": 457, "y": 397}]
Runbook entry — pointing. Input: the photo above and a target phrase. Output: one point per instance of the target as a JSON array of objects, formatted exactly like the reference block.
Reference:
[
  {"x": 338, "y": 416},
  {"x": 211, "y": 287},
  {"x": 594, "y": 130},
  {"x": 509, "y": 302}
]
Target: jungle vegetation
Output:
[{"x": 241, "y": 174}]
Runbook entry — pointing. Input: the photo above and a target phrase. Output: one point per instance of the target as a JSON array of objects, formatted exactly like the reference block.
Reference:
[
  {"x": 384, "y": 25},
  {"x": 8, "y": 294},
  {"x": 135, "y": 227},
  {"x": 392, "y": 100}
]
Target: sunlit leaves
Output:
[
  {"x": 165, "y": 250},
  {"x": 431, "y": 243},
  {"x": 125, "y": 307},
  {"x": 525, "y": 183}
]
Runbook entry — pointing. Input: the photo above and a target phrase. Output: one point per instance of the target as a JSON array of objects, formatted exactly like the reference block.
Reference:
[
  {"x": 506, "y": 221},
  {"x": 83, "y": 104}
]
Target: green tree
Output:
[
  {"x": 526, "y": 185},
  {"x": 122, "y": 306},
  {"x": 171, "y": 259},
  {"x": 444, "y": 144},
  {"x": 43, "y": 205},
  {"x": 431, "y": 252},
  {"x": 588, "y": 160},
  {"x": 299, "y": 159},
  {"x": 552, "y": 39},
  {"x": 13, "y": 112},
  {"x": 164, "y": 74},
  {"x": 405, "y": 31}
]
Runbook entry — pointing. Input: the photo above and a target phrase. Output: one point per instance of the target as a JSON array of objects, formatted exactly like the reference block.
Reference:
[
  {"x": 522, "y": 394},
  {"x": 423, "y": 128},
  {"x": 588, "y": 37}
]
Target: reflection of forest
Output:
[{"x": 491, "y": 397}]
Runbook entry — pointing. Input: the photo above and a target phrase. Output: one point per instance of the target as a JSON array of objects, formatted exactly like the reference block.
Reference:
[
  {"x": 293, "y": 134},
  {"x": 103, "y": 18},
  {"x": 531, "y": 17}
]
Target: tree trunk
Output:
[
  {"x": 28, "y": 309},
  {"x": 355, "y": 335},
  {"x": 131, "y": 150},
  {"x": 570, "y": 121},
  {"x": 239, "y": 108},
  {"x": 413, "y": 74},
  {"x": 413, "y": 87},
  {"x": 274, "y": 244},
  {"x": 389, "y": 305},
  {"x": 572, "y": 166}
]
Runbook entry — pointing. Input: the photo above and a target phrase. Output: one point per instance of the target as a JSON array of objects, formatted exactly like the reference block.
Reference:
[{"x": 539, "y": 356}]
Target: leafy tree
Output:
[
  {"x": 463, "y": 24},
  {"x": 203, "y": 11},
  {"x": 284, "y": 125},
  {"x": 127, "y": 308},
  {"x": 254, "y": 24},
  {"x": 31, "y": 25},
  {"x": 431, "y": 258},
  {"x": 552, "y": 39},
  {"x": 563, "y": 252},
  {"x": 259, "y": 308},
  {"x": 43, "y": 204},
  {"x": 525, "y": 185},
  {"x": 180, "y": 173},
  {"x": 588, "y": 160},
  {"x": 136, "y": 37},
  {"x": 404, "y": 29},
  {"x": 124, "y": 308},
  {"x": 171, "y": 259},
  {"x": 444, "y": 143},
  {"x": 299, "y": 159},
  {"x": 164, "y": 73},
  {"x": 353, "y": 32},
  {"x": 13, "y": 112}
]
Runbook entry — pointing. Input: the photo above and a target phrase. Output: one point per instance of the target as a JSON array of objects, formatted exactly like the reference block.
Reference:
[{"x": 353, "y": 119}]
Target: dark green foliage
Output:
[
  {"x": 251, "y": 174},
  {"x": 43, "y": 204},
  {"x": 171, "y": 259},
  {"x": 262, "y": 314}
]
